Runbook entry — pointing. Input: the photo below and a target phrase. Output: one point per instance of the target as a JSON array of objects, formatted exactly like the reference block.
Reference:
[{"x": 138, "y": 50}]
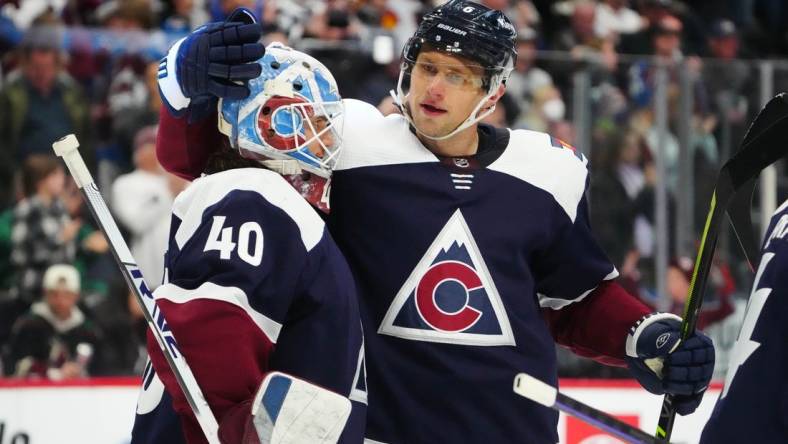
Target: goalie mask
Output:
[{"x": 291, "y": 121}]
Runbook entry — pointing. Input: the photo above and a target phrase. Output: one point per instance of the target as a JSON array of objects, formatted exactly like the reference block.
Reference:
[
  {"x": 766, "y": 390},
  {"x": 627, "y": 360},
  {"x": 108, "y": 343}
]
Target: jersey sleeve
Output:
[
  {"x": 586, "y": 311},
  {"x": 255, "y": 284},
  {"x": 183, "y": 147},
  {"x": 573, "y": 263},
  {"x": 597, "y": 326}
]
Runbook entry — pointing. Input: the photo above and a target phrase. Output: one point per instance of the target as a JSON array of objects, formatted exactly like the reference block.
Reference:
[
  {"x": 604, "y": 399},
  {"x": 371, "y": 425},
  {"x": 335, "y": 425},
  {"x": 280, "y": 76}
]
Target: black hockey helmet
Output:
[{"x": 470, "y": 30}]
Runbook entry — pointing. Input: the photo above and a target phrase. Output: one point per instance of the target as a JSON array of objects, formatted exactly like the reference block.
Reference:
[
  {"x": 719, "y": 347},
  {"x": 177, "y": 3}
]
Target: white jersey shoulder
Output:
[
  {"x": 532, "y": 157},
  {"x": 370, "y": 139},
  {"x": 208, "y": 190}
]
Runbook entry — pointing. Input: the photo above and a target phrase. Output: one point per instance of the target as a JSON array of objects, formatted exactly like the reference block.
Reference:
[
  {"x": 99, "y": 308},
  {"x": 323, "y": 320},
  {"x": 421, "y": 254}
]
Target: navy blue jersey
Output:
[
  {"x": 753, "y": 406},
  {"x": 454, "y": 262},
  {"x": 256, "y": 284}
]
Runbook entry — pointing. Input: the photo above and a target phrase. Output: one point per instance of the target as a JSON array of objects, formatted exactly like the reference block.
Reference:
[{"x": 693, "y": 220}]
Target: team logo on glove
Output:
[{"x": 663, "y": 339}]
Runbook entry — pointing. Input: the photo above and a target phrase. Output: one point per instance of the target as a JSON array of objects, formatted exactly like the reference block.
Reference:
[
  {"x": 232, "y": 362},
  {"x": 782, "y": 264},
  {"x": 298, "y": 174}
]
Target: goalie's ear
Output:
[{"x": 242, "y": 15}]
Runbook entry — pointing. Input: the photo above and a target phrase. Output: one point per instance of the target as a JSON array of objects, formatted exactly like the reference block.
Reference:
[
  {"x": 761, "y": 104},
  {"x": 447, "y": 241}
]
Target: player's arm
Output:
[
  {"x": 595, "y": 317},
  {"x": 597, "y": 326},
  {"x": 182, "y": 147},
  {"x": 584, "y": 307}
]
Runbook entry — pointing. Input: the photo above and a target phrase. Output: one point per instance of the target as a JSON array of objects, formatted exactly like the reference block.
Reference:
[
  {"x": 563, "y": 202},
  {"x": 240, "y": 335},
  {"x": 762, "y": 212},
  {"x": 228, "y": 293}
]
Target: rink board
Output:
[{"x": 101, "y": 411}]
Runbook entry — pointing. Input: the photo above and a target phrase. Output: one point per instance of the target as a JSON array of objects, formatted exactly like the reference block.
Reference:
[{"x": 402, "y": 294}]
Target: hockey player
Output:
[
  {"x": 463, "y": 238},
  {"x": 255, "y": 282},
  {"x": 753, "y": 406}
]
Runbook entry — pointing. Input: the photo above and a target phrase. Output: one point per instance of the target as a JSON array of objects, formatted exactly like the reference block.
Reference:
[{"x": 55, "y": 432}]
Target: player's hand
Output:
[
  {"x": 215, "y": 60},
  {"x": 662, "y": 363}
]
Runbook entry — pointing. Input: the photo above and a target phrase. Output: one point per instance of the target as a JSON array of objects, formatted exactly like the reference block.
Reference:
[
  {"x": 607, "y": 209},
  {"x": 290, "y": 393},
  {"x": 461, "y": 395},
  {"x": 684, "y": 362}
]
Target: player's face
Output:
[
  {"x": 317, "y": 126},
  {"x": 444, "y": 90}
]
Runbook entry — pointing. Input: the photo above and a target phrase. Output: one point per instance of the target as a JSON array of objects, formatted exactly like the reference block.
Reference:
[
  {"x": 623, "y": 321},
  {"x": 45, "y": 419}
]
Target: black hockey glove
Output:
[
  {"x": 664, "y": 364},
  {"x": 215, "y": 60}
]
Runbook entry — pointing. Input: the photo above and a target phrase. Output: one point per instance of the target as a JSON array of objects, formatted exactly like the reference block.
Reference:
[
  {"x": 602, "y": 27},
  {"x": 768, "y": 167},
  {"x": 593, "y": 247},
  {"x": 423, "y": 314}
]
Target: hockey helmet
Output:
[
  {"x": 291, "y": 121},
  {"x": 469, "y": 30}
]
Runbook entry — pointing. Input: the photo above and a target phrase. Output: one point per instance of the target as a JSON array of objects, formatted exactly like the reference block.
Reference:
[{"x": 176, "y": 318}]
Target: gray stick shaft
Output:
[{"x": 135, "y": 281}]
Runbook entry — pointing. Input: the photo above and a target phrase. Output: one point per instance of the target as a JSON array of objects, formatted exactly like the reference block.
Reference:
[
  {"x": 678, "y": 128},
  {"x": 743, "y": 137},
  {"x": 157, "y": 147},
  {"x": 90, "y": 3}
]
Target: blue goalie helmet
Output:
[{"x": 291, "y": 121}]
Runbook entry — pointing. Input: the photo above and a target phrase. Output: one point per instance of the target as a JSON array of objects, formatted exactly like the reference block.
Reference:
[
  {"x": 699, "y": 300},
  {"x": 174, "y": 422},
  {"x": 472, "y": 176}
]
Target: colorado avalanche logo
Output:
[{"x": 449, "y": 297}]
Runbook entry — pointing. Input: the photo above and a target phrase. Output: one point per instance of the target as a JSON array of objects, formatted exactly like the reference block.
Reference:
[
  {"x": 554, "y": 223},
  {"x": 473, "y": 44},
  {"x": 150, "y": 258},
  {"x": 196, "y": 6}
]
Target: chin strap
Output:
[{"x": 473, "y": 117}]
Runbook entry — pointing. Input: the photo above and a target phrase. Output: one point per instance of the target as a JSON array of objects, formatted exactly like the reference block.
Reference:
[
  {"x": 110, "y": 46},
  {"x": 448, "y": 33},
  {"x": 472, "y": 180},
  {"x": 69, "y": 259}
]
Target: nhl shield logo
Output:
[{"x": 450, "y": 297}]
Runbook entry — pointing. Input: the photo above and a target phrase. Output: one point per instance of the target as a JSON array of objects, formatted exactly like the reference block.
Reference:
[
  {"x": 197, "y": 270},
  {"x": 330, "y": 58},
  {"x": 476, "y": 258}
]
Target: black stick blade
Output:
[
  {"x": 740, "y": 216},
  {"x": 766, "y": 142}
]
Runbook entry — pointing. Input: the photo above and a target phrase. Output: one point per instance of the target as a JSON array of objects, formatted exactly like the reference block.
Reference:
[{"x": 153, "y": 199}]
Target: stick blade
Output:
[
  {"x": 763, "y": 144},
  {"x": 772, "y": 112},
  {"x": 540, "y": 392},
  {"x": 740, "y": 218}
]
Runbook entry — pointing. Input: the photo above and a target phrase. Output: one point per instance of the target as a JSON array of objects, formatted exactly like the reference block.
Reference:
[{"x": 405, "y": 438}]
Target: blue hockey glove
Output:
[
  {"x": 216, "y": 60},
  {"x": 662, "y": 363}
]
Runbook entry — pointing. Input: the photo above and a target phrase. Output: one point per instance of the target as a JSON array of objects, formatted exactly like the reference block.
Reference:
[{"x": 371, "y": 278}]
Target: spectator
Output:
[
  {"x": 39, "y": 104},
  {"x": 727, "y": 77},
  {"x": 587, "y": 51},
  {"x": 273, "y": 34},
  {"x": 526, "y": 77},
  {"x": 125, "y": 15},
  {"x": 132, "y": 103},
  {"x": 93, "y": 259},
  {"x": 666, "y": 47},
  {"x": 652, "y": 11},
  {"x": 547, "y": 108},
  {"x": 10, "y": 36},
  {"x": 666, "y": 38},
  {"x": 183, "y": 17},
  {"x": 582, "y": 42},
  {"x": 618, "y": 187},
  {"x": 220, "y": 9},
  {"x": 504, "y": 114},
  {"x": 55, "y": 340},
  {"x": 333, "y": 20},
  {"x": 43, "y": 233},
  {"x": 613, "y": 18},
  {"x": 522, "y": 13},
  {"x": 142, "y": 201}
]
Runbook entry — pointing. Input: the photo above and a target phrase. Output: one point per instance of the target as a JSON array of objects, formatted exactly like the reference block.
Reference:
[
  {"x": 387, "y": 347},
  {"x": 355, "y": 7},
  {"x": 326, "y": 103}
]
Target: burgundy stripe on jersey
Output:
[{"x": 225, "y": 349}]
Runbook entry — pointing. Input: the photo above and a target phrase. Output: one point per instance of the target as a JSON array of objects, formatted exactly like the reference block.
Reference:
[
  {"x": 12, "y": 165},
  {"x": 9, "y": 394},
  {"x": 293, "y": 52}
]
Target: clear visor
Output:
[
  {"x": 307, "y": 132},
  {"x": 456, "y": 76}
]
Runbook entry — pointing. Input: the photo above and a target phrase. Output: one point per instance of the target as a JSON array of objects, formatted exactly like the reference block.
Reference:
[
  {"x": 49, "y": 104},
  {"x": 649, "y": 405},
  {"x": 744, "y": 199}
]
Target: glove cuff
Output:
[
  {"x": 169, "y": 88},
  {"x": 639, "y": 326}
]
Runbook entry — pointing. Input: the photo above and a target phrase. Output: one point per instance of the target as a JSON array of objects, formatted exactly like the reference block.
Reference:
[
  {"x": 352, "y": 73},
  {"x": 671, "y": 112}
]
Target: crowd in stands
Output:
[{"x": 89, "y": 67}]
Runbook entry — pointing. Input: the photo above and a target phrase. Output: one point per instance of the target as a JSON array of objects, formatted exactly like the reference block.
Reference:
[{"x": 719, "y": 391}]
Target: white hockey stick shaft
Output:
[
  {"x": 545, "y": 394},
  {"x": 67, "y": 148}
]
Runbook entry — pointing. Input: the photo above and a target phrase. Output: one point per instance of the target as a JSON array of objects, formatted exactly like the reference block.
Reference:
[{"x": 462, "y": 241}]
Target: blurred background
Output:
[{"x": 656, "y": 93}]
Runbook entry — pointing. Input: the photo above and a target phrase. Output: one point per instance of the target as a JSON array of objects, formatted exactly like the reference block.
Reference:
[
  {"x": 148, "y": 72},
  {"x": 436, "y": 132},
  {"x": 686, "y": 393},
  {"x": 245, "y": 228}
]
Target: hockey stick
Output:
[
  {"x": 67, "y": 148},
  {"x": 764, "y": 144},
  {"x": 739, "y": 214},
  {"x": 547, "y": 395}
]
